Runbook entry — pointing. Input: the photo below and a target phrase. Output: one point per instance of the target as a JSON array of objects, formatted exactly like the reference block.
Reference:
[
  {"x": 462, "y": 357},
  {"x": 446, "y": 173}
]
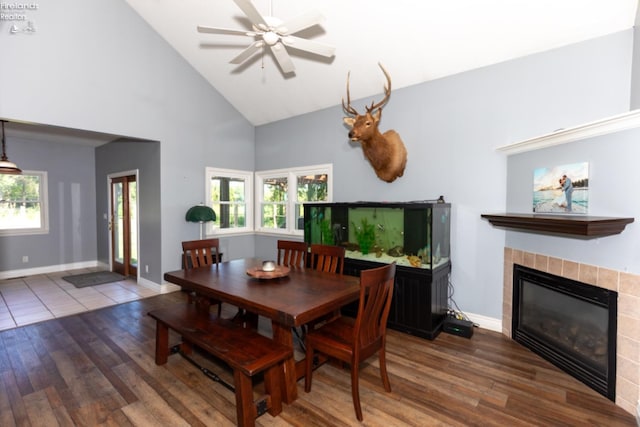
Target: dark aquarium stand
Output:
[{"x": 416, "y": 235}]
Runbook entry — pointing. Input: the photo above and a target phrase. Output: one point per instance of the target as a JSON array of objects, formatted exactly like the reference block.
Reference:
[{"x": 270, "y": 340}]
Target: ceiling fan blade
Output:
[
  {"x": 283, "y": 58},
  {"x": 248, "y": 52},
  {"x": 309, "y": 46},
  {"x": 300, "y": 22},
  {"x": 214, "y": 30},
  {"x": 252, "y": 13}
]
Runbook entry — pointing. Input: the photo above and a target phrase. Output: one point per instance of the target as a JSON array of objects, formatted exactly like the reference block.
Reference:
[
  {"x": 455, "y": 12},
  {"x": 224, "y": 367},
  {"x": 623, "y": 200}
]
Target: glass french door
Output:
[{"x": 124, "y": 220}]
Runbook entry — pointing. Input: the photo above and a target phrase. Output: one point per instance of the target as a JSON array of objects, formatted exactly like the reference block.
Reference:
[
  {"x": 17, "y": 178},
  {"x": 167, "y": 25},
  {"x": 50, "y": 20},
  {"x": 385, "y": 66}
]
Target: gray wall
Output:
[
  {"x": 123, "y": 156},
  {"x": 72, "y": 227},
  {"x": 97, "y": 66},
  {"x": 102, "y": 68},
  {"x": 634, "y": 102},
  {"x": 451, "y": 128},
  {"x": 613, "y": 182}
]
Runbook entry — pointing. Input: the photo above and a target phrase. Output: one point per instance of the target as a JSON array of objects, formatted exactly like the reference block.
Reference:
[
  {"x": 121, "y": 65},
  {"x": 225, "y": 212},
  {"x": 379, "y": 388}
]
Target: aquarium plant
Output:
[
  {"x": 365, "y": 235},
  {"x": 326, "y": 232}
]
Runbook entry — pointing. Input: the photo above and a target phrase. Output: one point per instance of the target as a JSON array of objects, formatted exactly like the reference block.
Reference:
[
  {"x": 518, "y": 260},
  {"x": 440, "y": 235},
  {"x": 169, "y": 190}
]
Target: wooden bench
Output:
[{"x": 244, "y": 350}]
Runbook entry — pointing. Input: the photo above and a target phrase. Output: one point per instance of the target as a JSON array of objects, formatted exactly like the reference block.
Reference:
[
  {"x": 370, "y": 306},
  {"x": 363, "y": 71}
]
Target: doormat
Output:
[{"x": 95, "y": 278}]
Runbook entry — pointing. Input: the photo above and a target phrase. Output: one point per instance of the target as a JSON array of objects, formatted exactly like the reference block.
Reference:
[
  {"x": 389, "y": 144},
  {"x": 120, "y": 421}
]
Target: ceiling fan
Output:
[{"x": 276, "y": 34}]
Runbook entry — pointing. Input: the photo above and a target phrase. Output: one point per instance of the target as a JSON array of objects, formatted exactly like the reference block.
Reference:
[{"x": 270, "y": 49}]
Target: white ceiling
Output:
[{"x": 416, "y": 40}]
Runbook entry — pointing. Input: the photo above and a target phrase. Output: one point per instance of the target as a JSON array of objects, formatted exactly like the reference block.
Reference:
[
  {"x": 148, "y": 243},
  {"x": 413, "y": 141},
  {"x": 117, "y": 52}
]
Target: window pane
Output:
[
  {"x": 227, "y": 201},
  {"x": 133, "y": 222},
  {"x": 274, "y": 189},
  {"x": 20, "y": 204},
  {"x": 311, "y": 188},
  {"x": 236, "y": 190},
  {"x": 232, "y": 215},
  {"x": 274, "y": 215},
  {"x": 299, "y": 216},
  {"x": 118, "y": 224}
]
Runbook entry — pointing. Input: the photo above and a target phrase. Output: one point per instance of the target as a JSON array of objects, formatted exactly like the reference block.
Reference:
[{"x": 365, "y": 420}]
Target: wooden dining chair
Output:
[
  {"x": 327, "y": 258},
  {"x": 354, "y": 340},
  {"x": 292, "y": 253},
  {"x": 202, "y": 253}
]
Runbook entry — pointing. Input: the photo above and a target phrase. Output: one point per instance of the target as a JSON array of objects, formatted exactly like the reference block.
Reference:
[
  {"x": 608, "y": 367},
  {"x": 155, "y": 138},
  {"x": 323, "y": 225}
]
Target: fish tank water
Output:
[{"x": 413, "y": 234}]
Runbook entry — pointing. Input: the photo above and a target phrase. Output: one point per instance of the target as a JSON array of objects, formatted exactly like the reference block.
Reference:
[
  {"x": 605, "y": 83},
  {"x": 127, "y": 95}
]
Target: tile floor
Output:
[{"x": 33, "y": 299}]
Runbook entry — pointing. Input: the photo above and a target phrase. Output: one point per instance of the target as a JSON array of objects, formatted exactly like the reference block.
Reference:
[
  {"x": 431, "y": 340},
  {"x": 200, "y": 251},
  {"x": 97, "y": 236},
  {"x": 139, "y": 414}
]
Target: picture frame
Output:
[{"x": 561, "y": 189}]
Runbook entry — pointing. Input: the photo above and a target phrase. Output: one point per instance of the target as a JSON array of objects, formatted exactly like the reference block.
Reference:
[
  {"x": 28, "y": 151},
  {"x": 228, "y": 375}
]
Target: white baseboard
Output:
[
  {"x": 164, "y": 288},
  {"x": 485, "y": 322},
  {"x": 10, "y": 274}
]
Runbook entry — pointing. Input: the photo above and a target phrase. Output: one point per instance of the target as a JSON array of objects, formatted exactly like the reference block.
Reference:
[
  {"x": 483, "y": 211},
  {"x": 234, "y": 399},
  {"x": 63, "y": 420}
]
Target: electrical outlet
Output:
[
  {"x": 25, "y": 258},
  {"x": 146, "y": 268}
]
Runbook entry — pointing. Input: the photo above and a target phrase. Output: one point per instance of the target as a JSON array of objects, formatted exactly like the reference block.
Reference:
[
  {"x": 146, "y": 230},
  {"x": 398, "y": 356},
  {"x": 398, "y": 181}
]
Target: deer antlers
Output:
[{"x": 348, "y": 109}]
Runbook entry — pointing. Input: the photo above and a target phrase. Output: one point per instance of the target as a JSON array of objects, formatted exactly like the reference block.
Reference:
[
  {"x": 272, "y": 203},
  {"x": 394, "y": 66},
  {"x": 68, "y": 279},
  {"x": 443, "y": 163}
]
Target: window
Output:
[
  {"x": 274, "y": 202},
  {"x": 230, "y": 194},
  {"x": 281, "y": 194},
  {"x": 24, "y": 204}
]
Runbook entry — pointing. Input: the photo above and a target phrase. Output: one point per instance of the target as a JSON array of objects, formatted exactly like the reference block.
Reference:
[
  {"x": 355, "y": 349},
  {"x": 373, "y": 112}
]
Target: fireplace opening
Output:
[{"x": 569, "y": 323}]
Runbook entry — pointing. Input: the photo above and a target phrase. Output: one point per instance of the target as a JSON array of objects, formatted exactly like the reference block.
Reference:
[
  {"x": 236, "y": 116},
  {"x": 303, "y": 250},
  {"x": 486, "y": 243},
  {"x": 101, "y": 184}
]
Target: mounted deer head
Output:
[{"x": 385, "y": 151}]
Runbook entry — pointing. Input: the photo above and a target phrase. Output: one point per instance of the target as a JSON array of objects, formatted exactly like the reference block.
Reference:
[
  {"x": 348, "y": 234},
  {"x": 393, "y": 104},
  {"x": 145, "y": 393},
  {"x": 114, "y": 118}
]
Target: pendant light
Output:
[{"x": 7, "y": 167}]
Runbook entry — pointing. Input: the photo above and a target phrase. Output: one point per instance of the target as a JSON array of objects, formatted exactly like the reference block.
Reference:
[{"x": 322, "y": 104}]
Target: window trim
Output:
[
  {"x": 44, "y": 209},
  {"x": 292, "y": 195},
  {"x": 210, "y": 229}
]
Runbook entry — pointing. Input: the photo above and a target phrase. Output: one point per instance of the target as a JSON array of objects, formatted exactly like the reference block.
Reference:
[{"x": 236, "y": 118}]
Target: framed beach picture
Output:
[{"x": 561, "y": 189}]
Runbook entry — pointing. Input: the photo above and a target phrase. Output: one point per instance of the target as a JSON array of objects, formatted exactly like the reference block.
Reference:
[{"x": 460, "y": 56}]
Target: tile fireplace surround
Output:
[{"x": 628, "y": 288}]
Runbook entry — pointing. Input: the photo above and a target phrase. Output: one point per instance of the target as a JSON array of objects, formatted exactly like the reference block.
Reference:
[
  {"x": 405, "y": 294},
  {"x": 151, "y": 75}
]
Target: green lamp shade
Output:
[{"x": 200, "y": 213}]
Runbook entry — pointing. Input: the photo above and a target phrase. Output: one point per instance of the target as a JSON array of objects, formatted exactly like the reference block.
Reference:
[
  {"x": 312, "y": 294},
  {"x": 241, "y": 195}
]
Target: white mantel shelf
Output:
[{"x": 613, "y": 124}]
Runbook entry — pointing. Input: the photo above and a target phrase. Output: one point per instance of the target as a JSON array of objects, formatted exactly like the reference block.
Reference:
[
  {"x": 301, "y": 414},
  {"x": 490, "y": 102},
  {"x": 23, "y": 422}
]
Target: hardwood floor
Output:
[{"x": 97, "y": 368}]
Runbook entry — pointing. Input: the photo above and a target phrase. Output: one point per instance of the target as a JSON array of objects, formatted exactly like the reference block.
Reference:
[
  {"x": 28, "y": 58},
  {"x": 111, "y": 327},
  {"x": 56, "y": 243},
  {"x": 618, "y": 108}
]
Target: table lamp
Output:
[{"x": 201, "y": 214}]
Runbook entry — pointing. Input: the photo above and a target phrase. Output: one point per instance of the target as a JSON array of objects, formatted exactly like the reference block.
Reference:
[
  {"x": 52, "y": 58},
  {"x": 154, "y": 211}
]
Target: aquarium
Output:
[{"x": 413, "y": 234}]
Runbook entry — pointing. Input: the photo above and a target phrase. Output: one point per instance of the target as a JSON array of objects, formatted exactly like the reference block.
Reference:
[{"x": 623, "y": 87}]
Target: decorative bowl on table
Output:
[{"x": 268, "y": 270}]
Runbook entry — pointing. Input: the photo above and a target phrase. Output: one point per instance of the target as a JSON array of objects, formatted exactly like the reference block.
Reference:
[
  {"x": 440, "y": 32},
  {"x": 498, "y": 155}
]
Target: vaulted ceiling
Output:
[{"x": 416, "y": 40}]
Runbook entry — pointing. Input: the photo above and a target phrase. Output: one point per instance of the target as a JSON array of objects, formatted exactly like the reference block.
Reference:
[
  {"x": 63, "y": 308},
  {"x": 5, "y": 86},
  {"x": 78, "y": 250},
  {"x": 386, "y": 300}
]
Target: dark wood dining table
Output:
[{"x": 293, "y": 300}]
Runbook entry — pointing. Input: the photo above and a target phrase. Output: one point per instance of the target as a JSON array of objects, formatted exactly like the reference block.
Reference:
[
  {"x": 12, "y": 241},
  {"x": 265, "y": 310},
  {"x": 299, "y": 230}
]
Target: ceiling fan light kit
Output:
[{"x": 276, "y": 34}]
